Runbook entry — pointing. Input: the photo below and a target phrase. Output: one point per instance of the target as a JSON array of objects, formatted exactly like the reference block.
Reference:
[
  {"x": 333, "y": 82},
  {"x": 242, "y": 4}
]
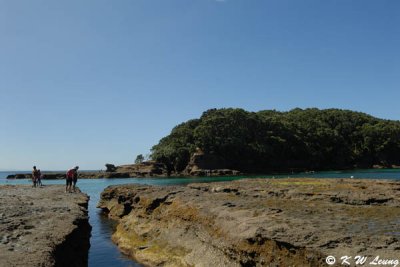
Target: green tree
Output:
[
  {"x": 175, "y": 149},
  {"x": 270, "y": 140},
  {"x": 139, "y": 159}
]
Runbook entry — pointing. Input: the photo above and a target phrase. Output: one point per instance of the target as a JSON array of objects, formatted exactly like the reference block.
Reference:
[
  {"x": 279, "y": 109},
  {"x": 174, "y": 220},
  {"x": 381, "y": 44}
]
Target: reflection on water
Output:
[{"x": 103, "y": 252}]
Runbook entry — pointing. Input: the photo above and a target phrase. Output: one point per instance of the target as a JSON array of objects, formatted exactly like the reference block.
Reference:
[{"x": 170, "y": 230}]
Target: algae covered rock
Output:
[{"x": 256, "y": 222}]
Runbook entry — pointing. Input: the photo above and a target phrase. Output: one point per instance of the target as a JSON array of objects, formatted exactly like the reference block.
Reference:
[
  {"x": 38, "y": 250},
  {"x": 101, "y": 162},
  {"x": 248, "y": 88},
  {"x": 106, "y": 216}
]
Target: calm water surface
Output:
[{"x": 104, "y": 253}]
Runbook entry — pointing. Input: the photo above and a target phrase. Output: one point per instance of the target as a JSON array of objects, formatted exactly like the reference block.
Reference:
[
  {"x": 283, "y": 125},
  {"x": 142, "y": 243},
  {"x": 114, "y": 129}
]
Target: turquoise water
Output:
[{"x": 104, "y": 253}]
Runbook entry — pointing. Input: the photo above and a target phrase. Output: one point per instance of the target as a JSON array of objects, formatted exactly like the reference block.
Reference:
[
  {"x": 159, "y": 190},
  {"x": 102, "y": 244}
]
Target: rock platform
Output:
[
  {"x": 257, "y": 222},
  {"x": 43, "y": 226}
]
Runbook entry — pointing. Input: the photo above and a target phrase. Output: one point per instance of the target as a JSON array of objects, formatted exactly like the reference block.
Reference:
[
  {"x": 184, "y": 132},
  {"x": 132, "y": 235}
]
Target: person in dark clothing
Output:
[
  {"x": 71, "y": 177},
  {"x": 39, "y": 178},
  {"x": 35, "y": 176}
]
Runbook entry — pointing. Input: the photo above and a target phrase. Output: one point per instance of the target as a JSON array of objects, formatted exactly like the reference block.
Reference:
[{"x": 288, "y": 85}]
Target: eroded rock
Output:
[
  {"x": 43, "y": 226},
  {"x": 255, "y": 222}
]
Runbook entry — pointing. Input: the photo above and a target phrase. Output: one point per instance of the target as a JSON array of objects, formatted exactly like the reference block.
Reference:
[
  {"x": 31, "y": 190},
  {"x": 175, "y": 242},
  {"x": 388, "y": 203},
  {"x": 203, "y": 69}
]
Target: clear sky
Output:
[{"x": 95, "y": 82}]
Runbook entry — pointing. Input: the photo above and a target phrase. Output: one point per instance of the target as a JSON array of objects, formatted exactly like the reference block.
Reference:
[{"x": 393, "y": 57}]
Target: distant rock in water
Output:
[
  {"x": 256, "y": 222},
  {"x": 54, "y": 175},
  {"x": 143, "y": 169},
  {"x": 110, "y": 167},
  {"x": 19, "y": 176},
  {"x": 43, "y": 226}
]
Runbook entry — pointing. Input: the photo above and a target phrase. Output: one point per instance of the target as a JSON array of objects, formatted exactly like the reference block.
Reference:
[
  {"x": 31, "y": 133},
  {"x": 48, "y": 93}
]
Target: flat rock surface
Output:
[
  {"x": 257, "y": 222},
  {"x": 37, "y": 225}
]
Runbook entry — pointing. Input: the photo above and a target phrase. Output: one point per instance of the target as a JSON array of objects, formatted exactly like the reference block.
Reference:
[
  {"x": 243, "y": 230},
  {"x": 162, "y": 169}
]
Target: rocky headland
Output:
[
  {"x": 43, "y": 226},
  {"x": 123, "y": 171},
  {"x": 255, "y": 222},
  {"x": 197, "y": 167},
  {"x": 59, "y": 175}
]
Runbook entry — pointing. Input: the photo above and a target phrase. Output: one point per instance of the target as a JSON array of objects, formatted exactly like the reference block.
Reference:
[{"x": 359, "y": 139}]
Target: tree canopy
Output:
[
  {"x": 269, "y": 140},
  {"x": 139, "y": 159}
]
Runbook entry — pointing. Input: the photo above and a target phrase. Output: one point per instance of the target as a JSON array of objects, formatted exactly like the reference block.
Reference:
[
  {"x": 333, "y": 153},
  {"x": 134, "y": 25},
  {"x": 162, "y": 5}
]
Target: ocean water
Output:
[{"x": 103, "y": 252}]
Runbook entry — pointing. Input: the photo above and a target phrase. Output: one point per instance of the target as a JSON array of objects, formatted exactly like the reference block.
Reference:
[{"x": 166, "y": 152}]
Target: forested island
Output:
[
  {"x": 232, "y": 141},
  {"x": 274, "y": 141}
]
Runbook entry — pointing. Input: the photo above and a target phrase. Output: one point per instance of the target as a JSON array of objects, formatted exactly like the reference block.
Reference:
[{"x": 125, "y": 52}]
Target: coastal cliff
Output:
[
  {"x": 254, "y": 222},
  {"x": 43, "y": 226}
]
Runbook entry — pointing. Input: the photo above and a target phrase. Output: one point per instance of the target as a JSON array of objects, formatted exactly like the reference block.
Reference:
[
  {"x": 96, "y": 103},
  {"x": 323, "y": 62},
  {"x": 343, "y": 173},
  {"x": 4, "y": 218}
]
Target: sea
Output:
[{"x": 103, "y": 252}]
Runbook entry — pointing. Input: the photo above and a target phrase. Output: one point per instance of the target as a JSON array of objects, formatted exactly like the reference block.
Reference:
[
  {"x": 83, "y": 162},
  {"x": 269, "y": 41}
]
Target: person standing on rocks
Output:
[
  {"x": 75, "y": 177},
  {"x": 35, "y": 176},
  {"x": 71, "y": 177},
  {"x": 39, "y": 179}
]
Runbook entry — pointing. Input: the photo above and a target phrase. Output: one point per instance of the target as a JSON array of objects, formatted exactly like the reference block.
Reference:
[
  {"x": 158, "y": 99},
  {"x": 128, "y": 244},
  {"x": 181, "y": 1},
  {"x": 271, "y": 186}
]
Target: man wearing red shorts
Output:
[{"x": 72, "y": 176}]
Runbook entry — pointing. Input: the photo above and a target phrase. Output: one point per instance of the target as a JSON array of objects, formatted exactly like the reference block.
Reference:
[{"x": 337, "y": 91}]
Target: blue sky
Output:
[{"x": 95, "y": 82}]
